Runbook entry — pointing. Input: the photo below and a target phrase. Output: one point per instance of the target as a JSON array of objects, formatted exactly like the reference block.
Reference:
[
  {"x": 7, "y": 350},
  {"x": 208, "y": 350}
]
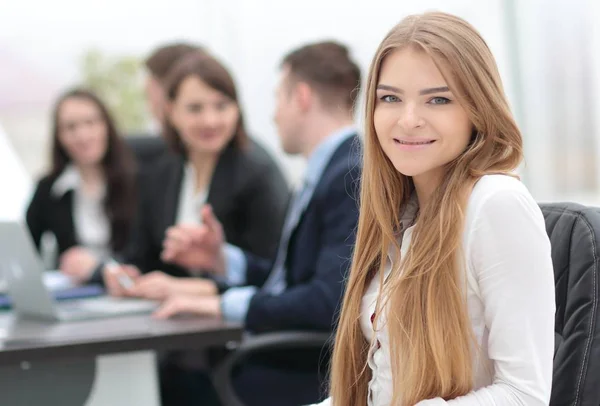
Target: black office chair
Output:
[
  {"x": 574, "y": 232},
  {"x": 289, "y": 340}
]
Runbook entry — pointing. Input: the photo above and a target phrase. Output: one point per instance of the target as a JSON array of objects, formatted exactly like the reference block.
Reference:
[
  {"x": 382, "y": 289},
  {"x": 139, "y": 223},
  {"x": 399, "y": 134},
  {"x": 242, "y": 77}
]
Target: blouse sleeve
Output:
[{"x": 509, "y": 251}]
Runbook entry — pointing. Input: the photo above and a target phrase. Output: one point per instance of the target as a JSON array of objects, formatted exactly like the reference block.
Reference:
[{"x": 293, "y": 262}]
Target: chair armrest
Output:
[{"x": 222, "y": 377}]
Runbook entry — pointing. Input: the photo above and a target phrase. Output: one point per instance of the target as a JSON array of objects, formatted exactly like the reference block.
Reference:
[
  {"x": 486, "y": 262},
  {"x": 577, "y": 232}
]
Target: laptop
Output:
[{"x": 22, "y": 269}]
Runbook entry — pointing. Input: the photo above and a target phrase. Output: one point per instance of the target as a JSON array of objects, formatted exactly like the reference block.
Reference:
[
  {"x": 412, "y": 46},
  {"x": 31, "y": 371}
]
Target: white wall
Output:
[
  {"x": 15, "y": 182},
  {"x": 594, "y": 50},
  {"x": 251, "y": 36},
  {"x": 561, "y": 131}
]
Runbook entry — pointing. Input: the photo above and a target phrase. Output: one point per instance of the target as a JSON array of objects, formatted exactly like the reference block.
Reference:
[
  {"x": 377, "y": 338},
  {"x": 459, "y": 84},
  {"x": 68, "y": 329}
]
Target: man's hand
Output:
[
  {"x": 186, "y": 304},
  {"x": 156, "y": 285},
  {"x": 78, "y": 263},
  {"x": 196, "y": 247}
]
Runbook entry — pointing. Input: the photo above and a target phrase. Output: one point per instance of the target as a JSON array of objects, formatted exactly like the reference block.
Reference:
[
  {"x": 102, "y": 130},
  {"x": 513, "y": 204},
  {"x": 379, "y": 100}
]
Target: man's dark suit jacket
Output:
[{"x": 318, "y": 255}]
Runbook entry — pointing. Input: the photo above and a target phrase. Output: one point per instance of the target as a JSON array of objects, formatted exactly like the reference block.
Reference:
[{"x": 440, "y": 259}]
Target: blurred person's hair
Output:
[
  {"x": 431, "y": 339},
  {"x": 118, "y": 164},
  {"x": 214, "y": 74},
  {"x": 162, "y": 59},
  {"x": 327, "y": 68}
]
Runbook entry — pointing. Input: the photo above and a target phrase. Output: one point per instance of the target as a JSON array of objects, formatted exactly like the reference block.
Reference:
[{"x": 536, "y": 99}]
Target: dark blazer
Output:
[
  {"x": 47, "y": 213},
  {"x": 248, "y": 193},
  {"x": 318, "y": 256}
]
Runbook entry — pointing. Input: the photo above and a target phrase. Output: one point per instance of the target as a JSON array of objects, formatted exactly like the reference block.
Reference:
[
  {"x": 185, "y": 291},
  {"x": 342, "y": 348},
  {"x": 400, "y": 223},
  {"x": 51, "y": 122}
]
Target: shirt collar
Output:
[
  {"x": 409, "y": 213},
  {"x": 320, "y": 157},
  {"x": 68, "y": 180},
  {"x": 407, "y": 219}
]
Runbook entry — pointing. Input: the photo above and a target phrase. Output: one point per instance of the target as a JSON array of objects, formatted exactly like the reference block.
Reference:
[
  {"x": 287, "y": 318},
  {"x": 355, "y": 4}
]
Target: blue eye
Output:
[
  {"x": 439, "y": 100},
  {"x": 389, "y": 99}
]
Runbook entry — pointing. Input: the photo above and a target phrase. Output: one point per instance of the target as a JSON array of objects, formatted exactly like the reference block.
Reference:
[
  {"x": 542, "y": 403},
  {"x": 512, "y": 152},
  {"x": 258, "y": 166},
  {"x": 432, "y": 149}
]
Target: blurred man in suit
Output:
[
  {"x": 301, "y": 288},
  {"x": 159, "y": 63}
]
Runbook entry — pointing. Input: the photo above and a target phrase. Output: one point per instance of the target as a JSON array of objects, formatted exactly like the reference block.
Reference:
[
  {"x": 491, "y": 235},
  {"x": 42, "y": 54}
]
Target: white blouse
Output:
[
  {"x": 191, "y": 200},
  {"x": 92, "y": 226},
  {"x": 510, "y": 299}
]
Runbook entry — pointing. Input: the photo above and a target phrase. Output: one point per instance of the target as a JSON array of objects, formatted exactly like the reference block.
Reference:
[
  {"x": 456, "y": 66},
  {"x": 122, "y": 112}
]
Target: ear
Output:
[{"x": 304, "y": 96}]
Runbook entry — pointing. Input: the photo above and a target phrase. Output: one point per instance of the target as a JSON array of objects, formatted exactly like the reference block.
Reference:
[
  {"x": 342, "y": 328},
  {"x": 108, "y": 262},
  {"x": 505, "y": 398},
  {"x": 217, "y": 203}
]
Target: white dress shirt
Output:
[
  {"x": 510, "y": 299},
  {"x": 92, "y": 227}
]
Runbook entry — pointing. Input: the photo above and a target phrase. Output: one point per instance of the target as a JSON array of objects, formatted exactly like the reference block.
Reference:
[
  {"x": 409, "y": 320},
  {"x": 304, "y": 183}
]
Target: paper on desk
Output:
[{"x": 54, "y": 280}]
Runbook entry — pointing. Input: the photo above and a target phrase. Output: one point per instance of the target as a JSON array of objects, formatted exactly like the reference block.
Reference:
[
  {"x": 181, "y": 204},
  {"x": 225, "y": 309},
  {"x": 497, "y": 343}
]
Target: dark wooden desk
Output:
[
  {"x": 37, "y": 340},
  {"x": 35, "y": 354}
]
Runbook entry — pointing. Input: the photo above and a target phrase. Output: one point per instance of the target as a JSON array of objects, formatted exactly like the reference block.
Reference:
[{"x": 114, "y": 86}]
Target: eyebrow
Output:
[{"x": 422, "y": 92}]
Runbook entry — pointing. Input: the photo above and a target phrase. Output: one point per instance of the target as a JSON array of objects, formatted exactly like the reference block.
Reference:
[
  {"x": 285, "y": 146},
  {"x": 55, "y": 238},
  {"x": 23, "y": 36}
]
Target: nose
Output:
[
  {"x": 210, "y": 117},
  {"x": 410, "y": 117},
  {"x": 81, "y": 132}
]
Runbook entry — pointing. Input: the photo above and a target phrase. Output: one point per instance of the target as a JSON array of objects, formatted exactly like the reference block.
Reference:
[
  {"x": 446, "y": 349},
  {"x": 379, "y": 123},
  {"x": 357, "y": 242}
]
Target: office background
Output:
[{"x": 548, "y": 52}]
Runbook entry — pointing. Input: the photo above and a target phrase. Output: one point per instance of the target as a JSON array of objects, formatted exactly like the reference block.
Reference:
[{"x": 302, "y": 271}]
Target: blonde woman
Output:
[{"x": 451, "y": 294}]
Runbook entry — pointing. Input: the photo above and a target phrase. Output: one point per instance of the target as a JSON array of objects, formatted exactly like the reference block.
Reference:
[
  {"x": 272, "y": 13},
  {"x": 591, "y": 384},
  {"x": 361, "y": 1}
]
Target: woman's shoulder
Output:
[
  {"x": 496, "y": 186},
  {"x": 499, "y": 194},
  {"x": 45, "y": 182},
  {"x": 255, "y": 161},
  {"x": 254, "y": 154},
  {"x": 162, "y": 166}
]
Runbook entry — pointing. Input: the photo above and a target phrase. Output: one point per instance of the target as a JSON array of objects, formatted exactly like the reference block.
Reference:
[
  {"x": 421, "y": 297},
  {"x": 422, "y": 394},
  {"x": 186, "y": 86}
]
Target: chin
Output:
[
  {"x": 212, "y": 147},
  {"x": 90, "y": 160},
  {"x": 289, "y": 150},
  {"x": 287, "y": 146},
  {"x": 410, "y": 170}
]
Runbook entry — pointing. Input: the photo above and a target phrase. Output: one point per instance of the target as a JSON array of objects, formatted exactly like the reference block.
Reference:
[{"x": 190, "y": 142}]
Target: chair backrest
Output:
[
  {"x": 146, "y": 148},
  {"x": 574, "y": 232}
]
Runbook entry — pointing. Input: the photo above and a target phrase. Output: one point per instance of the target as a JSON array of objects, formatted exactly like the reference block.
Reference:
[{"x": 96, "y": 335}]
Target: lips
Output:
[
  {"x": 407, "y": 142},
  {"x": 206, "y": 134}
]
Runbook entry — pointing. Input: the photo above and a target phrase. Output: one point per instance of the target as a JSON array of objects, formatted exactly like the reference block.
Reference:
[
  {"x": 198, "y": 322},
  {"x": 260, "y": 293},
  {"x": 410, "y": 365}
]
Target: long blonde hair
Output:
[{"x": 430, "y": 334}]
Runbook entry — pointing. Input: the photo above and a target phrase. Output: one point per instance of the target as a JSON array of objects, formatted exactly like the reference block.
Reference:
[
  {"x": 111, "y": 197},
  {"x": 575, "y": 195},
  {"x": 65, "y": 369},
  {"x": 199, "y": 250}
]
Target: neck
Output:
[
  {"x": 91, "y": 174},
  {"x": 204, "y": 165},
  {"x": 426, "y": 184},
  {"x": 322, "y": 127},
  {"x": 92, "y": 178}
]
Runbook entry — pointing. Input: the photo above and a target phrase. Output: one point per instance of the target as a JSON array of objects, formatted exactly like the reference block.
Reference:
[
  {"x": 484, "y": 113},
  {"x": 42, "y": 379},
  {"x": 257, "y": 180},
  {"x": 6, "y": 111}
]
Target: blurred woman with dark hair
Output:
[{"x": 87, "y": 199}]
